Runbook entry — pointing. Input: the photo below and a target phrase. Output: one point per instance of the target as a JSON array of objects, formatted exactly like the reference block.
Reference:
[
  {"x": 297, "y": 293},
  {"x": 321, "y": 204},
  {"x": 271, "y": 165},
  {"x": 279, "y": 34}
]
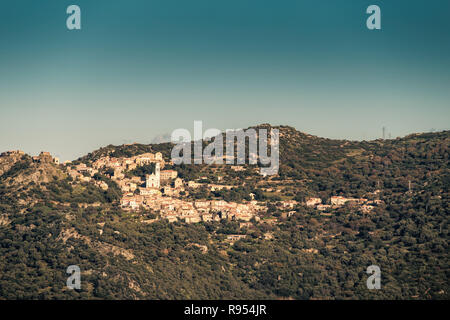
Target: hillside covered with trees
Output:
[{"x": 48, "y": 222}]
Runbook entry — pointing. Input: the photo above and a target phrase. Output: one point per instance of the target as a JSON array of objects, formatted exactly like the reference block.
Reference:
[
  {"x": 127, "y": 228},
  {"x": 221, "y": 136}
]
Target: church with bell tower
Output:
[{"x": 153, "y": 180}]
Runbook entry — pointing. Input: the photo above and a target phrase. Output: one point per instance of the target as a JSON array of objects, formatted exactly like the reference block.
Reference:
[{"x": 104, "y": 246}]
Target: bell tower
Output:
[{"x": 158, "y": 173}]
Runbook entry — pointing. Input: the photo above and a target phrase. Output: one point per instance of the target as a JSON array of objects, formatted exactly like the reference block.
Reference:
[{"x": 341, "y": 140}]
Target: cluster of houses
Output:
[
  {"x": 175, "y": 209},
  {"x": 366, "y": 205},
  {"x": 160, "y": 191},
  {"x": 122, "y": 164},
  {"x": 84, "y": 173}
]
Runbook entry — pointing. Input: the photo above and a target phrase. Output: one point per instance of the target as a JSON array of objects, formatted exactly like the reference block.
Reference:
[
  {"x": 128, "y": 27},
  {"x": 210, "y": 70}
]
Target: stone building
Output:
[{"x": 153, "y": 180}]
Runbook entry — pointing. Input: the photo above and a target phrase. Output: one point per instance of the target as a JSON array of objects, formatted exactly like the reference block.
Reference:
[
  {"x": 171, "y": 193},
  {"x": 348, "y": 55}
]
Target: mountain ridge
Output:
[{"x": 49, "y": 220}]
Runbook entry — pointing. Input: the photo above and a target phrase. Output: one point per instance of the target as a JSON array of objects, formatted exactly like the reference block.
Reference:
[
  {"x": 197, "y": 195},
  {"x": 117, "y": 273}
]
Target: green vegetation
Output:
[{"x": 142, "y": 171}]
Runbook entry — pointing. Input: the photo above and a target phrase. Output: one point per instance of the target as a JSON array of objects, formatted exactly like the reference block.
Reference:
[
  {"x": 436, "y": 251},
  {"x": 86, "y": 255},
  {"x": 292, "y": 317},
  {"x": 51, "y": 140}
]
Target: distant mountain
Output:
[{"x": 164, "y": 138}]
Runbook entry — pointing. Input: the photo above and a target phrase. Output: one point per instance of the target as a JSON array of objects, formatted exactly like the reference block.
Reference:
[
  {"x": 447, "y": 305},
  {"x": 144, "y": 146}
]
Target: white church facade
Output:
[{"x": 153, "y": 180}]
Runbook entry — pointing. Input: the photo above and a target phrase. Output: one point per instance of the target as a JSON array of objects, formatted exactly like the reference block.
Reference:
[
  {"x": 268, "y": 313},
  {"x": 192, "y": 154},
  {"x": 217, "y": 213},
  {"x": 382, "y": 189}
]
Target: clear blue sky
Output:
[{"x": 139, "y": 69}]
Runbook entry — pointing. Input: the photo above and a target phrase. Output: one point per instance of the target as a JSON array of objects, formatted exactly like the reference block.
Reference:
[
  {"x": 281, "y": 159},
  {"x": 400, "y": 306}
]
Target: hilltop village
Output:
[
  {"x": 160, "y": 191},
  {"x": 164, "y": 192}
]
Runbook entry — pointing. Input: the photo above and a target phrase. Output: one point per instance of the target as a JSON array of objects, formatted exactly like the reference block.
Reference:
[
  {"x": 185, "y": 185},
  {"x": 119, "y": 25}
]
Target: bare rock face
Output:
[
  {"x": 19, "y": 173},
  {"x": 8, "y": 160},
  {"x": 42, "y": 172}
]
